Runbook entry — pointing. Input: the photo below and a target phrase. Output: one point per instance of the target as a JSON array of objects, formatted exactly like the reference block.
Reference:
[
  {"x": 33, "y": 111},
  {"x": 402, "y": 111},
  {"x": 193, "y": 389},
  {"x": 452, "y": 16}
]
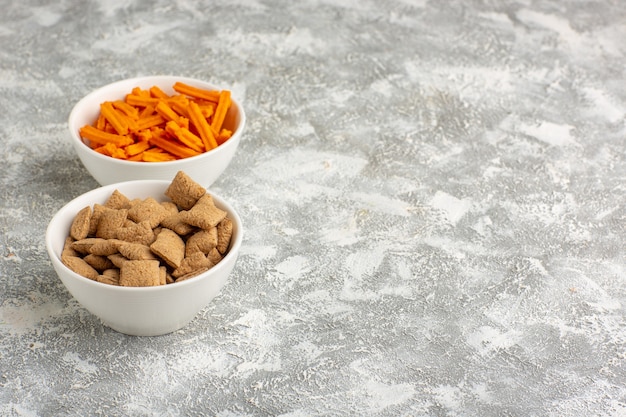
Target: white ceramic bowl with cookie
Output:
[
  {"x": 129, "y": 307},
  {"x": 205, "y": 167}
]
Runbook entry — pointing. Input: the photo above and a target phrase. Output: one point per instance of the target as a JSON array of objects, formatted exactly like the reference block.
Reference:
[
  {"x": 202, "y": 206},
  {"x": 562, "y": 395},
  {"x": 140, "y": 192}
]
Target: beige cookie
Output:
[
  {"x": 214, "y": 256},
  {"x": 224, "y": 234},
  {"x": 136, "y": 251},
  {"x": 163, "y": 275},
  {"x": 136, "y": 232},
  {"x": 84, "y": 245},
  {"x": 67, "y": 248},
  {"x": 105, "y": 247},
  {"x": 117, "y": 200},
  {"x": 170, "y": 207},
  {"x": 110, "y": 276},
  {"x": 98, "y": 262},
  {"x": 192, "y": 263},
  {"x": 170, "y": 247},
  {"x": 81, "y": 267},
  {"x": 184, "y": 191},
  {"x": 191, "y": 274},
  {"x": 118, "y": 259},
  {"x": 140, "y": 273},
  {"x": 204, "y": 214},
  {"x": 80, "y": 225},
  {"x": 175, "y": 223},
  {"x": 98, "y": 209},
  {"x": 148, "y": 210},
  {"x": 110, "y": 221},
  {"x": 201, "y": 241}
]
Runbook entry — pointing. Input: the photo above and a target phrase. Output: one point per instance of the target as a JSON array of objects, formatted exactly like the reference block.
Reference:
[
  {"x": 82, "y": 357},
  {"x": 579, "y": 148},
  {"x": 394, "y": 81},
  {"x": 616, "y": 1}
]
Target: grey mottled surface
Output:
[{"x": 433, "y": 196}]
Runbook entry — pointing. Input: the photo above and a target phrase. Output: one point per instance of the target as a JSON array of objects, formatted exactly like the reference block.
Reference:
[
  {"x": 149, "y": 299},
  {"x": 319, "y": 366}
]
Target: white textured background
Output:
[{"x": 433, "y": 195}]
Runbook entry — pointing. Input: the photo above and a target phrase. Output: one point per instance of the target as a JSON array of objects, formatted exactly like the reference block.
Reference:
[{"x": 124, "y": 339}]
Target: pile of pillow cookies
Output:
[{"x": 145, "y": 242}]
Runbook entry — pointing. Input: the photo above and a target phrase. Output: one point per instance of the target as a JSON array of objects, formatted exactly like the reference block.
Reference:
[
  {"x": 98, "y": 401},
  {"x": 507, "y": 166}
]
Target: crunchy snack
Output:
[
  {"x": 204, "y": 214},
  {"x": 137, "y": 232},
  {"x": 117, "y": 201},
  {"x": 81, "y": 267},
  {"x": 98, "y": 262},
  {"x": 214, "y": 256},
  {"x": 183, "y": 191},
  {"x": 223, "y": 104},
  {"x": 98, "y": 209},
  {"x": 170, "y": 208},
  {"x": 195, "y": 262},
  {"x": 201, "y": 123},
  {"x": 110, "y": 221},
  {"x": 144, "y": 242},
  {"x": 136, "y": 251},
  {"x": 140, "y": 273},
  {"x": 201, "y": 241},
  {"x": 191, "y": 274},
  {"x": 105, "y": 247},
  {"x": 110, "y": 276},
  {"x": 84, "y": 245},
  {"x": 80, "y": 226},
  {"x": 224, "y": 233},
  {"x": 162, "y": 275},
  {"x": 170, "y": 247},
  {"x": 175, "y": 223},
  {"x": 152, "y": 126},
  {"x": 148, "y": 210},
  {"x": 118, "y": 259},
  {"x": 67, "y": 248}
]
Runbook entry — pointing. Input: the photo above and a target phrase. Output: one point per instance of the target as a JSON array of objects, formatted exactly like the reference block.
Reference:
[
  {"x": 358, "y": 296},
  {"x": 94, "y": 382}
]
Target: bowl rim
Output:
[
  {"x": 233, "y": 249},
  {"x": 172, "y": 78}
]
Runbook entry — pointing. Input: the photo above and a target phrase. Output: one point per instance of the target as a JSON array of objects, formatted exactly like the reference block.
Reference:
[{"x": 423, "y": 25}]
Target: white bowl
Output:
[
  {"x": 204, "y": 168},
  {"x": 140, "y": 311}
]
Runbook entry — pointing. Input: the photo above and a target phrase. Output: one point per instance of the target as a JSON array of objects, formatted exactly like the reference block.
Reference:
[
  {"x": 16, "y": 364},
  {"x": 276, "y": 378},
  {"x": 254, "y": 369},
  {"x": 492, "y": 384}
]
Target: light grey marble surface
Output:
[{"x": 433, "y": 196}]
